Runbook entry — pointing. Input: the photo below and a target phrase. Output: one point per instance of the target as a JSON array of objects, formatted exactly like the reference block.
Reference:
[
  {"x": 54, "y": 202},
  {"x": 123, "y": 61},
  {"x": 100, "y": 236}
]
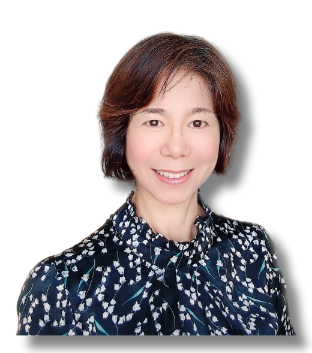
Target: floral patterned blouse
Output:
[{"x": 126, "y": 280}]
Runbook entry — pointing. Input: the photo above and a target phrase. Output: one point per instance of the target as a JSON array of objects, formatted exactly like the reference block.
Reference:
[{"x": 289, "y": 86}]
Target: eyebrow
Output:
[
  {"x": 201, "y": 110},
  {"x": 163, "y": 111},
  {"x": 152, "y": 110}
]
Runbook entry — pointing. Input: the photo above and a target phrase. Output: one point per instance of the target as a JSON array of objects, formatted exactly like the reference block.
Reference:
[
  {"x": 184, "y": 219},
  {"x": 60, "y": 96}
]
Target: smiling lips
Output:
[
  {"x": 172, "y": 175},
  {"x": 173, "y": 178}
]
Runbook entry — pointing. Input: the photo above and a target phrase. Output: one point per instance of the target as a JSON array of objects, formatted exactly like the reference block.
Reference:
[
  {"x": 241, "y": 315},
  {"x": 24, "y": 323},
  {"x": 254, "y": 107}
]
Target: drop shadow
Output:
[
  {"x": 165, "y": 342},
  {"x": 292, "y": 294}
]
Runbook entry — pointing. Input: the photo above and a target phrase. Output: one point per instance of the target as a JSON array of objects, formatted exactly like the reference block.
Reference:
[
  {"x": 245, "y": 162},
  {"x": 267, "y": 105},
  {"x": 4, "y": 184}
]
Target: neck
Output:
[{"x": 175, "y": 222}]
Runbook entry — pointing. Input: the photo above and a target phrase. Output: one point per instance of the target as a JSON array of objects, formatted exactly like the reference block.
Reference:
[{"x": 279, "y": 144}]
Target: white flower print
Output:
[
  {"x": 110, "y": 309},
  {"x": 105, "y": 315},
  {"x": 85, "y": 277},
  {"x": 108, "y": 283},
  {"x": 46, "y": 307},
  {"x": 100, "y": 297},
  {"x": 82, "y": 294},
  {"x": 136, "y": 307},
  {"x": 89, "y": 301},
  {"x": 114, "y": 318}
]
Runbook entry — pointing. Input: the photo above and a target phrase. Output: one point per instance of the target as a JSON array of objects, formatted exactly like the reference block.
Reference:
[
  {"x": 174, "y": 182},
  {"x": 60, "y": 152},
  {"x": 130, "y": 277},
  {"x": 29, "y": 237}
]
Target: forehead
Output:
[{"x": 183, "y": 86}]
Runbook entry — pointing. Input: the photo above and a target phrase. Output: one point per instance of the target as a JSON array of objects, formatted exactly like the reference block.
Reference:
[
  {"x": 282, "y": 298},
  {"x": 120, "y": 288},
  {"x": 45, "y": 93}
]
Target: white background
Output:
[{"x": 55, "y": 59}]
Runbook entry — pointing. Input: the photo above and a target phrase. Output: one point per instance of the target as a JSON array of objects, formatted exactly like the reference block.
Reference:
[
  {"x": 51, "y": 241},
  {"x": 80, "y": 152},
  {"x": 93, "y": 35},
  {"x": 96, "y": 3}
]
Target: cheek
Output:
[
  {"x": 136, "y": 150},
  {"x": 208, "y": 148}
]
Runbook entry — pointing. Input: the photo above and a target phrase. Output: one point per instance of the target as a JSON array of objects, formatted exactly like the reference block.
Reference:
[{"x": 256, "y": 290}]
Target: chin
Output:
[{"x": 173, "y": 197}]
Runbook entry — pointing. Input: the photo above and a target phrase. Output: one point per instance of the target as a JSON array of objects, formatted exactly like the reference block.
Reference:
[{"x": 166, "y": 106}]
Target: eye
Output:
[
  {"x": 198, "y": 124},
  {"x": 154, "y": 123}
]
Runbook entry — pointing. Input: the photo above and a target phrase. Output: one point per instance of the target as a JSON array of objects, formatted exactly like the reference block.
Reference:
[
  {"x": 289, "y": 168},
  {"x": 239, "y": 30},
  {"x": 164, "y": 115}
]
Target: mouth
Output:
[{"x": 171, "y": 174}]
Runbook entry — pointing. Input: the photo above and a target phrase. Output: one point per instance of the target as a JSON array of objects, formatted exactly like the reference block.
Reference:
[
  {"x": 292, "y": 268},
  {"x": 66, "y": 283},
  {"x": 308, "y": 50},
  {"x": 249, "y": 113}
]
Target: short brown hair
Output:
[{"x": 134, "y": 81}]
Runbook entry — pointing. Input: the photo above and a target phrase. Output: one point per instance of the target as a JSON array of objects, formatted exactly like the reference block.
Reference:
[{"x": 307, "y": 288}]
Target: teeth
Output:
[{"x": 172, "y": 175}]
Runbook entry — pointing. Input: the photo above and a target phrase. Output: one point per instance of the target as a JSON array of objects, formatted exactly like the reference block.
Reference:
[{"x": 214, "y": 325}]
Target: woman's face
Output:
[{"x": 172, "y": 144}]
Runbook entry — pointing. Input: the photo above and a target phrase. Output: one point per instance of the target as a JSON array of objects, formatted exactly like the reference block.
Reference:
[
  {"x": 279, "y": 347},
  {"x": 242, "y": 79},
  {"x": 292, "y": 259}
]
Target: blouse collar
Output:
[{"x": 156, "y": 249}]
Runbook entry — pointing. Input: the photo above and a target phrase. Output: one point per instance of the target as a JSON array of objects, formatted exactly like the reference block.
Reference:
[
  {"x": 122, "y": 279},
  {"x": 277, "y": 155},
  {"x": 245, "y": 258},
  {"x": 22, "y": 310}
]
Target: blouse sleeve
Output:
[
  {"x": 43, "y": 306},
  {"x": 277, "y": 288}
]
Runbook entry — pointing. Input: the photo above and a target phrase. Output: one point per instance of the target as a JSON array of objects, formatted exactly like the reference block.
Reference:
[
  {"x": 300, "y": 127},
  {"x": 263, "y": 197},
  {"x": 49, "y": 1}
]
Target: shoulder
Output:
[
  {"x": 93, "y": 245},
  {"x": 227, "y": 228},
  {"x": 245, "y": 253},
  {"x": 98, "y": 243},
  {"x": 249, "y": 247},
  {"x": 55, "y": 286},
  {"x": 250, "y": 240}
]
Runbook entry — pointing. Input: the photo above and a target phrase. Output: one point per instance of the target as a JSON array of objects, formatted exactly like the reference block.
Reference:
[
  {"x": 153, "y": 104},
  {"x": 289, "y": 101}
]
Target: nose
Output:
[{"x": 175, "y": 145}]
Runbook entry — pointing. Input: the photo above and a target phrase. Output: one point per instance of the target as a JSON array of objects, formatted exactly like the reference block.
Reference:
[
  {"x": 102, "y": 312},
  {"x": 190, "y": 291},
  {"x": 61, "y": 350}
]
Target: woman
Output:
[{"x": 164, "y": 263}]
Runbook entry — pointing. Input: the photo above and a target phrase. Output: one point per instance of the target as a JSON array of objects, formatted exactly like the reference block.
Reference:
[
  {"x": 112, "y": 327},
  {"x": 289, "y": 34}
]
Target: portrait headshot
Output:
[
  {"x": 157, "y": 174},
  {"x": 163, "y": 263}
]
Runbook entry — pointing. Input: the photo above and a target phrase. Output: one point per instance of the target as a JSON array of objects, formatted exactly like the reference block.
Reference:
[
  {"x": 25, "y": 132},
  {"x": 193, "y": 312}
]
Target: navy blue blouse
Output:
[{"x": 126, "y": 280}]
